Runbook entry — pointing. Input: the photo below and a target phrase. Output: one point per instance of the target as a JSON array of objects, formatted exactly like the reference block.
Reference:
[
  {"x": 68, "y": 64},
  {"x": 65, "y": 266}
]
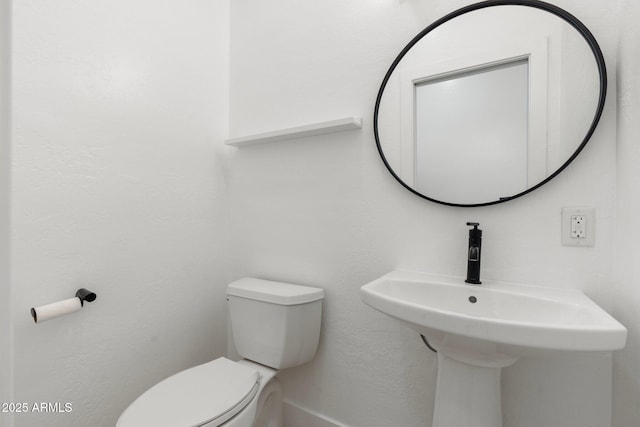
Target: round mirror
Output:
[{"x": 490, "y": 102}]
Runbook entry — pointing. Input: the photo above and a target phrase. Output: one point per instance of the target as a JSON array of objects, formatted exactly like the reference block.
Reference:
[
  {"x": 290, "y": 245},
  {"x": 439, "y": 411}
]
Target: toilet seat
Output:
[{"x": 211, "y": 394}]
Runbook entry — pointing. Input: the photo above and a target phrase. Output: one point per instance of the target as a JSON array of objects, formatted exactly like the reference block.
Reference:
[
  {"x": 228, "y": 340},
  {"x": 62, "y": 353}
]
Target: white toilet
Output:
[{"x": 275, "y": 326}]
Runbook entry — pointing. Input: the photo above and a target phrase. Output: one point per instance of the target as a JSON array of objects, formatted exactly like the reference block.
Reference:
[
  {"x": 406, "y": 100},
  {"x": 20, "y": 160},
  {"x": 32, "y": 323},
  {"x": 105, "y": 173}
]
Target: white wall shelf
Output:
[{"x": 338, "y": 125}]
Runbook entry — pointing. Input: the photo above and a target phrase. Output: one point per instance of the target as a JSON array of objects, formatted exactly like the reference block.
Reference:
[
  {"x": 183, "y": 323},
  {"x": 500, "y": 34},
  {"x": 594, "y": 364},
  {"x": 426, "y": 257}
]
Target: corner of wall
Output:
[
  {"x": 626, "y": 376},
  {"x": 6, "y": 347}
]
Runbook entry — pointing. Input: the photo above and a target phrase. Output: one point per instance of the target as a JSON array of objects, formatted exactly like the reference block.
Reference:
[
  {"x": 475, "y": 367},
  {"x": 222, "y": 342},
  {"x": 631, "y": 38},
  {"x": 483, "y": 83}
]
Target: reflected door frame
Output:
[{"x": 535, "y": 51}]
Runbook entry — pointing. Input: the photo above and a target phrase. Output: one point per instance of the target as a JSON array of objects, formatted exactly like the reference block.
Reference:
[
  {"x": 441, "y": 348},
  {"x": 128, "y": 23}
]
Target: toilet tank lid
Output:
[{"x": 274, "y": 292}]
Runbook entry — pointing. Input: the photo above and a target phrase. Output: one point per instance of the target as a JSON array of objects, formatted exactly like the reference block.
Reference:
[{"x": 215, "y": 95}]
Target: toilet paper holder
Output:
[
  {"x": 85, "y": 295},
  {"x": 60, "y": 308}
]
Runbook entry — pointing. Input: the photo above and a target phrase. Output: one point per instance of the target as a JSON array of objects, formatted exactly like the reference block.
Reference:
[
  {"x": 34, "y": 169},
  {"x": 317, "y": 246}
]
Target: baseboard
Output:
[{"x": 295, "y": 415}]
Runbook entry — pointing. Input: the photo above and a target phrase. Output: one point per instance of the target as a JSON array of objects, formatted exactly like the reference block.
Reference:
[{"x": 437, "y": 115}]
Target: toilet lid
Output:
[{"x": 214, "y": 391}]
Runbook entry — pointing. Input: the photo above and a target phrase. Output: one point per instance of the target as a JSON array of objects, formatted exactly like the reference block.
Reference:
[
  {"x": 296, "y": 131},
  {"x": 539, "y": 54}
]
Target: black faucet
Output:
[{"x": 473, "y": 255}]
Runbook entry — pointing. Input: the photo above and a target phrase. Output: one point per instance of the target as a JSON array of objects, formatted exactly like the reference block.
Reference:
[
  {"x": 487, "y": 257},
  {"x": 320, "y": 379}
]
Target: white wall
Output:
[
  {"x": 627, "y": 300},
  {"x": 118, "y": 108},
  {"x": 5, "y": 165},
  {"x": 324, "y": 211}
]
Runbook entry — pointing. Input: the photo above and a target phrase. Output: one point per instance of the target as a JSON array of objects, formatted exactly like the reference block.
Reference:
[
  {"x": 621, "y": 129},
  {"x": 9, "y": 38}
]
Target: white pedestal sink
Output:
[{"x": 478, "y": 330}]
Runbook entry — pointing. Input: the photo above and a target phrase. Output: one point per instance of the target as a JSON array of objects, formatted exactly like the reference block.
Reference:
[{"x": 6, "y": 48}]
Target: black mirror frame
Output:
[{"x": 561, "y": 13}]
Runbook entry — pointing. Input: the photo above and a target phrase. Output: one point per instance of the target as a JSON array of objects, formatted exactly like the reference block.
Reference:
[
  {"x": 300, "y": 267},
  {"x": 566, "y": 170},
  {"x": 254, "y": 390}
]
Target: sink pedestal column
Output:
[{"x": 468, "y": 389}]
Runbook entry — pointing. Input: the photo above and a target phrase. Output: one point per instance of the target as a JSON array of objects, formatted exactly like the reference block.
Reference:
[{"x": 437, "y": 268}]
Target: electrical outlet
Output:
[{"x": 578, "y": 226}]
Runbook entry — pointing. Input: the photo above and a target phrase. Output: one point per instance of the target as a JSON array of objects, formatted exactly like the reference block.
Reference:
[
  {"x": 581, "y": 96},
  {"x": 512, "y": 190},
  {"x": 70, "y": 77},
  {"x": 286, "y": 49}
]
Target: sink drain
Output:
[{"x": 473, "y": 299}]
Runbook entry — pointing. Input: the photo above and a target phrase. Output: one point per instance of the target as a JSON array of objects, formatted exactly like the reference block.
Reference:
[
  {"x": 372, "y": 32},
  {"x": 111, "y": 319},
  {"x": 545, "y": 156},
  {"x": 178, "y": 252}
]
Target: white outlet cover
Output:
[{"x": 590, "y": 220}]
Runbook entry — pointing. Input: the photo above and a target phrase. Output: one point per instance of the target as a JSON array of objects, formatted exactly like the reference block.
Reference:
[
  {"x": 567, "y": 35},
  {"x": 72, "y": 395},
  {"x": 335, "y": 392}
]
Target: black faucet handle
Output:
[{"x": 474, "y": 232}]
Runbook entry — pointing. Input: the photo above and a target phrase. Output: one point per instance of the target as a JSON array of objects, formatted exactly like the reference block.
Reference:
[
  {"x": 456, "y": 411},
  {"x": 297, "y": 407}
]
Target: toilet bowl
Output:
[{"x": 275, "y": 326}]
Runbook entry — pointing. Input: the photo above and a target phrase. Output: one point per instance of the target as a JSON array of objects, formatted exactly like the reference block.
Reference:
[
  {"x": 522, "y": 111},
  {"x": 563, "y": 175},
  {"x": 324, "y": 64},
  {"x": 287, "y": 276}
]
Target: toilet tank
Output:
[{"x": 273, "y": 323}]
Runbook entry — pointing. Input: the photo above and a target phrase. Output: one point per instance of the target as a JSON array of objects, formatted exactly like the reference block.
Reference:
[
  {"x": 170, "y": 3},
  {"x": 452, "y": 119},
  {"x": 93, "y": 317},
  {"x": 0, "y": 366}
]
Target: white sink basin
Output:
[
  {"x": 479, "y": 329},
  {"x": 504, "y": 313}
]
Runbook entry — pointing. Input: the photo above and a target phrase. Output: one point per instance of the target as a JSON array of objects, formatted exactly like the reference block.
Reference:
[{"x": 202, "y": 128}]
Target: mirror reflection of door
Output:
[
  {"x": 462, "y": 121},
  {"x": 484, "y": 114}
]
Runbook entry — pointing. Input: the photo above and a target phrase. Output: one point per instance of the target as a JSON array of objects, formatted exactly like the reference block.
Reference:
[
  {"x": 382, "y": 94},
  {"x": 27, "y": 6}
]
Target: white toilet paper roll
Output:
[{"x": 56, "y": 309}]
